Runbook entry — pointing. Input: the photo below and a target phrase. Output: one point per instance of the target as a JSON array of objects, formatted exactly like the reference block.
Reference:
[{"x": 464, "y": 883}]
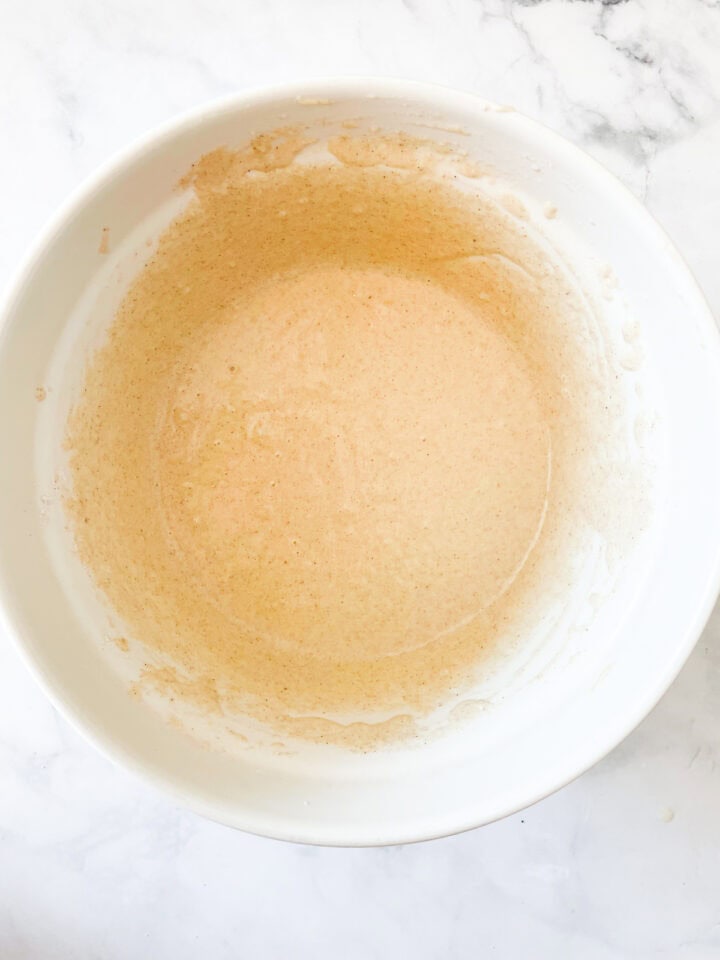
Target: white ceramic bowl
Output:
[{"x": 580, "y": 703}]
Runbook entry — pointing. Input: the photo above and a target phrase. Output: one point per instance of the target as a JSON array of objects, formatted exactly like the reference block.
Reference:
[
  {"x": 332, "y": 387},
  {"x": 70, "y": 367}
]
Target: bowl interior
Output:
[{"x": 571, "y": 702}]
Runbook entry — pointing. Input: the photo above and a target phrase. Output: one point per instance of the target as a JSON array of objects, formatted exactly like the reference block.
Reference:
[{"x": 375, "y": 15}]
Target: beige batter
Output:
[{"x": 318, "y": 464}]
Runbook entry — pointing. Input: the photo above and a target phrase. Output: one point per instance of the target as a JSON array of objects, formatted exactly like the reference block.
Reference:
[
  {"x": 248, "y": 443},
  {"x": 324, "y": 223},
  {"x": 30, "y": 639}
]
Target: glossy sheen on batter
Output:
[{"x": 315, "y": 465}]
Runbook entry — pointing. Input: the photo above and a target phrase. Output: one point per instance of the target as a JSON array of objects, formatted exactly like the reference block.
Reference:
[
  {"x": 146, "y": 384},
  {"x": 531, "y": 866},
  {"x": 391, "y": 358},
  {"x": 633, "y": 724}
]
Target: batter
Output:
[{"x": 317, "y": 465}]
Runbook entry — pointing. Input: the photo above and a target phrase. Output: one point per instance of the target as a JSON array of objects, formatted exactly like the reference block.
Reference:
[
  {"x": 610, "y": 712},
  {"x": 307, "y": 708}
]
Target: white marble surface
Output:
[{"x": 624, "y": 863}]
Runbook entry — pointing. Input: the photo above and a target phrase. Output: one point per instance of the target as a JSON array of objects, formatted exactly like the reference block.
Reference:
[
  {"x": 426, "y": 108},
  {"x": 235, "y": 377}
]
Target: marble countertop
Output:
[{"x": 625, "y": 862}]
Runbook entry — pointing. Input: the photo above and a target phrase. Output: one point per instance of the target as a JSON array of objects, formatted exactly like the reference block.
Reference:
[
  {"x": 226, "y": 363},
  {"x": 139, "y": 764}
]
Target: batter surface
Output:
[{"x": 317, "y": 465}]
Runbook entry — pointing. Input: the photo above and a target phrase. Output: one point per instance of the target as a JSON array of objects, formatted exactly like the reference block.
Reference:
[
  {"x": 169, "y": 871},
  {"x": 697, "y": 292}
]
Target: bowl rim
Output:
[{"x": 333, "y": 88}]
